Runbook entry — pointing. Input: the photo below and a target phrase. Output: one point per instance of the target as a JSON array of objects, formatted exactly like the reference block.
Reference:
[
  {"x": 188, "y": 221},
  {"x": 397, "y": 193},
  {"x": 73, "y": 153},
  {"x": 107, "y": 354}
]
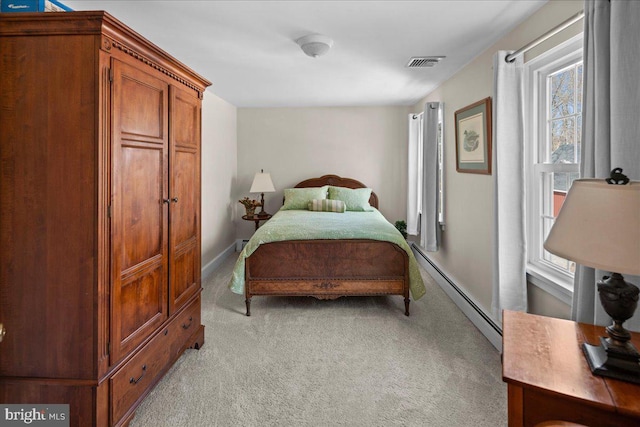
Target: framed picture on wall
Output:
[{"x": 473, "y": 138}]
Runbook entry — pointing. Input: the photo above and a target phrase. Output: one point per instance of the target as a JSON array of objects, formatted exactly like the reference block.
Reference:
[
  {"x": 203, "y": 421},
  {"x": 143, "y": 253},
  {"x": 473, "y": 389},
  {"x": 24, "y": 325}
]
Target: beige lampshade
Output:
[
  {"x": 599, "y": 226},
  {"x": 262, "y": 183}
]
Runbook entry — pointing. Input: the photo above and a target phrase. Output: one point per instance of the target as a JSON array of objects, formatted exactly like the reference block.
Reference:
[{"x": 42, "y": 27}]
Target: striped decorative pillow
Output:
[{"x": 326, "y": 205}]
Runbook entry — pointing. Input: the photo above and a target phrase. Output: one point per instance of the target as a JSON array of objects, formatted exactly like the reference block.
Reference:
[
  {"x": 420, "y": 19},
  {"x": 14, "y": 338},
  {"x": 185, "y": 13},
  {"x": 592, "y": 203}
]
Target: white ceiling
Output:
[{"x": 248, "y": 49}]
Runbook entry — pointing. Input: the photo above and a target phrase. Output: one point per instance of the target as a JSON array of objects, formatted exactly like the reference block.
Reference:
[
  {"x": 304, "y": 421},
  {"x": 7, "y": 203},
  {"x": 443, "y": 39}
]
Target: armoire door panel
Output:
[
  {"x": 184, "y": 163},
  {"x": 142, "y": 301},
  {"x": 143, "y": 114},
  {"x": 186, "y": 123},
  {"x": 141, "y": 203},
  {"x": 140, "y": 222},
  {"x": 184, "y": 215},
  {"x": 184, "y": 264}
]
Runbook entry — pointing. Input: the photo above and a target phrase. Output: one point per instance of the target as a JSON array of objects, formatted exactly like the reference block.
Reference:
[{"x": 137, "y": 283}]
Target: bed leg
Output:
[
  {"x": 406, "y": 306},
  {"x": 248, "y": 303}
]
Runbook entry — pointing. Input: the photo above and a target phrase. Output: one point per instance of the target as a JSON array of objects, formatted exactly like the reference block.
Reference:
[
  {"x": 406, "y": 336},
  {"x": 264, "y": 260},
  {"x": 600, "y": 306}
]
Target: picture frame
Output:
[{"x": 473, "y": 138}]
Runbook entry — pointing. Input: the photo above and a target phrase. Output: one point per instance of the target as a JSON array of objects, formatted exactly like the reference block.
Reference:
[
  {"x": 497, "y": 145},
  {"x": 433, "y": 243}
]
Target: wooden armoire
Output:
[{"x": 99, "y": 213}]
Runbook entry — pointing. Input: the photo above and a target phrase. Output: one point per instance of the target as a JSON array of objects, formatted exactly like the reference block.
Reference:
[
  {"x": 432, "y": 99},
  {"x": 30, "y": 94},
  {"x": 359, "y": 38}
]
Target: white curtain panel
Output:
[
  {"x": 610, "y": 124},
  {"x": 509, "y": 270},
  {"x": 430, "y": 195},
  {"x": 414, "y": 170}
]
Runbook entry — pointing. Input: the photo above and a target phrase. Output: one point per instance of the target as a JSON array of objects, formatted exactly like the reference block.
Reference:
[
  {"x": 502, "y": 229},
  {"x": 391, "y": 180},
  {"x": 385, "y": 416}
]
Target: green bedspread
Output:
[{"x": 307, "y": 225}]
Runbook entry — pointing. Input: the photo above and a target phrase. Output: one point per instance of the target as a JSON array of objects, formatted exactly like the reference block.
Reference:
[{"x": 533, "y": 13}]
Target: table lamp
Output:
[
  {"x": 599, "y": 226},
  {"x": 262, "y": 184}
]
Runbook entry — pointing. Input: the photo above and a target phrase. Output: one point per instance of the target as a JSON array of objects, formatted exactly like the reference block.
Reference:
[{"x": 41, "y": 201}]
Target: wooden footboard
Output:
[{"x": 327, "y": 269}]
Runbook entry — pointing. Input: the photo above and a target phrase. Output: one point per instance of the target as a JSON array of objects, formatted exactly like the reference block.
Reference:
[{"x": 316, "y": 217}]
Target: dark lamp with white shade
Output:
[
  {"x": 599, "y": 227},
  {"x": 262, "y": 184}
]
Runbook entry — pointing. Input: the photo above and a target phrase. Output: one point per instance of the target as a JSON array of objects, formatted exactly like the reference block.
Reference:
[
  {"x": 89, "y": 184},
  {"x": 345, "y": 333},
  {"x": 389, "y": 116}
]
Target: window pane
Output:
[
  {"x": 561, "y": 183},
  {"x": 556, "y": 261},
  {"x": 579, "y": 89},
  {"x": 563, "y": 141},
  {"x": 578, "y": 138},
  {"x": 562, "y": 96},
  {"x": 553, "y": 197},
  {"x": 440, "y": 169}
]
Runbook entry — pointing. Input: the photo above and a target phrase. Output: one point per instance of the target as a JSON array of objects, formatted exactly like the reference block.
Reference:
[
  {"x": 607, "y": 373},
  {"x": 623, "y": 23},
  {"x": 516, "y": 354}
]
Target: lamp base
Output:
[
  {"x": 262, "y": 213},
  {"x": 608, "y": 361}
]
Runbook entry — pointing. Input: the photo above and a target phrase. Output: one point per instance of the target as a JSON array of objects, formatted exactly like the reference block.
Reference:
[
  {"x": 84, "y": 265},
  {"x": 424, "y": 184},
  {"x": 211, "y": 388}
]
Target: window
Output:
[
  {"x": 420, "y": 132},
  {"x": 414, "y": 174},
  {"x": 416, "y": 171},
  {"x": 553, "y": 108},
  {"x": 441, "y": 165}
]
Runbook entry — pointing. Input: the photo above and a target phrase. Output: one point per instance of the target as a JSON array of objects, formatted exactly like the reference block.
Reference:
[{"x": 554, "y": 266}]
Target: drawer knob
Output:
[
  {"x": 135, "y": 381},
  {"x": 3, "y": 331},
  {"x": 185, "y": 326}
]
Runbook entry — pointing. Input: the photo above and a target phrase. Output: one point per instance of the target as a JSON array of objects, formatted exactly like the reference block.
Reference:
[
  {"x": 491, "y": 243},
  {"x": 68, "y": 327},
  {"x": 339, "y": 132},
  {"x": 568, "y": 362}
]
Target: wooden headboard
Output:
[{"x": 337, "y": 181}]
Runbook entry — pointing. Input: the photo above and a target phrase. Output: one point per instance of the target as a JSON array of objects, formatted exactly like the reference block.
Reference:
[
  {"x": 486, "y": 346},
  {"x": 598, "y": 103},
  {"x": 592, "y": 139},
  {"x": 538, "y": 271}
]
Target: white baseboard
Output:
[
  {"x": 215, "y": 263},
  {"x": 465, "y": 303}
]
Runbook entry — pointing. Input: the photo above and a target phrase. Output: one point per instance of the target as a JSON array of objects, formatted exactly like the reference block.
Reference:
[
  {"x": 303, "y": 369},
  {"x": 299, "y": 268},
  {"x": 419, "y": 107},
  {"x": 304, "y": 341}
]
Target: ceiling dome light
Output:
[{"x": 315, "y": 45}]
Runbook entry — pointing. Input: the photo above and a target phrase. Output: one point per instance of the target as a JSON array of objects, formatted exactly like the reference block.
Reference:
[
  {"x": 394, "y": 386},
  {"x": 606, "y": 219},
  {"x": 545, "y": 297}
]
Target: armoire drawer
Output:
[
  {"x": 138, "y": 374},
  {"x": 184, "y": 326}
]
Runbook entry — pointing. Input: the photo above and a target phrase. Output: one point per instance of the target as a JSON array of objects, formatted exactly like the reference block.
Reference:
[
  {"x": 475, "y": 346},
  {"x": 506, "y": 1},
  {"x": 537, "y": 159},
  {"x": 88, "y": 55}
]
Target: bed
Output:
[{"x": 336, "y": 257}]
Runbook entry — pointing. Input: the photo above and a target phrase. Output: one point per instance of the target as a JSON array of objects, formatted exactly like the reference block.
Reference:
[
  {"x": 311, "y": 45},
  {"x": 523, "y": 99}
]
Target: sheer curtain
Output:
[
  {"x": 414, "y": 170},
  {"x": 509, "y": 270},
  {"x": 610, "y": 127},
  {"x": 430, "y": 227}
]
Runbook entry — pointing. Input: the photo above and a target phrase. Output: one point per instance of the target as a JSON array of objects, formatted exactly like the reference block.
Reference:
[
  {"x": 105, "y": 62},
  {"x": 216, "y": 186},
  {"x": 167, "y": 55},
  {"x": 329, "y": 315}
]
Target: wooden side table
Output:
[
  {"x": 256, "y": 218},
  {"x": 548, "y": 377}
]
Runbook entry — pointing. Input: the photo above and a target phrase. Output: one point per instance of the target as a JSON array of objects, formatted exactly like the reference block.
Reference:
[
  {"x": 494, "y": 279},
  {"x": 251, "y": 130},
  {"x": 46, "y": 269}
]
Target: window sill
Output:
[{"x": 556, "y": 285}]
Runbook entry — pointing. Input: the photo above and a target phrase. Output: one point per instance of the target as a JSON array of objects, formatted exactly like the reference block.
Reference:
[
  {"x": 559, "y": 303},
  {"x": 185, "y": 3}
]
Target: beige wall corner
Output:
[{"x": 219, "y": 170}]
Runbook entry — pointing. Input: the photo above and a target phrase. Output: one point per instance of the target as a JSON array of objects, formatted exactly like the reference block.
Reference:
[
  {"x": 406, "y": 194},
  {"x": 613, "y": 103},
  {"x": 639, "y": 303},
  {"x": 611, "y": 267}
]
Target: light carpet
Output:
[{"x": 355, "y": 361}]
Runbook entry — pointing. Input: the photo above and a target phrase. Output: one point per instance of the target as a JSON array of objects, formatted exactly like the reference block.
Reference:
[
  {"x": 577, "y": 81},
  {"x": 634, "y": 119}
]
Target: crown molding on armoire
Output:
[{"x": 101, "y": 22}]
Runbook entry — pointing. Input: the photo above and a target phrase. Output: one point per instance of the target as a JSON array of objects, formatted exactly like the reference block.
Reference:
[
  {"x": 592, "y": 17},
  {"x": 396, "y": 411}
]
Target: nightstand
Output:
[
  {"x": 548, "y": 377},
  {"x": 256, "y": 218}
]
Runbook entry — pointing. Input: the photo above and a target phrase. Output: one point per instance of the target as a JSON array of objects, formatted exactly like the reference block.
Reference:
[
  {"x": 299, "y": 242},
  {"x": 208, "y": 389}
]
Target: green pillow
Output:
[
  {"x": 326, "y": 205},
  {"x": 356, "y": 199},
  {"x": 299, "y": 198}
]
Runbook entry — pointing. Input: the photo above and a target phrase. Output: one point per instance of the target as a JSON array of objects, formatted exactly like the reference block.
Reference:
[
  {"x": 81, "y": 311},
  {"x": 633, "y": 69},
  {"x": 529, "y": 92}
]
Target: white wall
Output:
[
  {"x": 219, "y": 170},
  {"x": 365, "y": 143},
  {"x": 467, "y": 255}
]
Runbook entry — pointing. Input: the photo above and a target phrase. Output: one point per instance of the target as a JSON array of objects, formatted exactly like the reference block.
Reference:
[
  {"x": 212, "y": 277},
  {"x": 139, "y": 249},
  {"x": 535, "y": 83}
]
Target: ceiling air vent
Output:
[{"x": 424, "y": 61}]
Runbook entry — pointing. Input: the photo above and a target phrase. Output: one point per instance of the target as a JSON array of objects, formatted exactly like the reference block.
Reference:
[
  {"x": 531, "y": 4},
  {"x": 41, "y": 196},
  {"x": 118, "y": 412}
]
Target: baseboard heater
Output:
[{"x": 478, "y": 317}]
